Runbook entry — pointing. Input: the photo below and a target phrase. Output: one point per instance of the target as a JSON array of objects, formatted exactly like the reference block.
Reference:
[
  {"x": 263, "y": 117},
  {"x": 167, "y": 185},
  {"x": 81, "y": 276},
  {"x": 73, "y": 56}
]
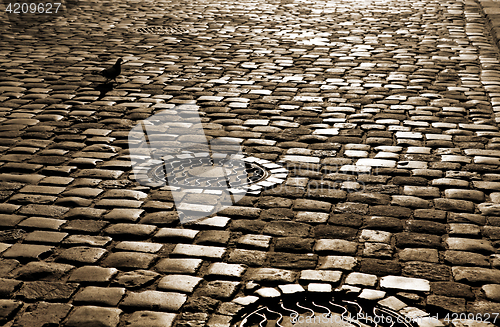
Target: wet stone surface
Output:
[{"x": 374, "y": 124}]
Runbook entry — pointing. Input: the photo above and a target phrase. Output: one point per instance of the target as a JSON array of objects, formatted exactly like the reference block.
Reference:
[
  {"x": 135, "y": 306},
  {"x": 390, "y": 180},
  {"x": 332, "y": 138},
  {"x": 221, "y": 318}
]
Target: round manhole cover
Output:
[
  {"x": 200, "y": 171},
  {"x": 203, "y": 172}
]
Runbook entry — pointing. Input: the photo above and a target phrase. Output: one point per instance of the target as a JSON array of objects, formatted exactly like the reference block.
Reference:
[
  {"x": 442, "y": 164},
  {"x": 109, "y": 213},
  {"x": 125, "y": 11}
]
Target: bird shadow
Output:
[{"x": 104, "y": 88}]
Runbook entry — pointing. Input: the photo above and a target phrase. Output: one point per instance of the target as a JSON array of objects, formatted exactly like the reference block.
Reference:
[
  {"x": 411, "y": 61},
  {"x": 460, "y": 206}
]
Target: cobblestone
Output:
[
  {"x": 107, "y": 296},
  {"x": 169, "y": 301},
  {"x": 92, "y": 315},
  {"x": 150, "y": 319},
  {"x": 43, "y": 313},
  {"x": 384, "y": 114},
  {"x": 93, "y": 274}
]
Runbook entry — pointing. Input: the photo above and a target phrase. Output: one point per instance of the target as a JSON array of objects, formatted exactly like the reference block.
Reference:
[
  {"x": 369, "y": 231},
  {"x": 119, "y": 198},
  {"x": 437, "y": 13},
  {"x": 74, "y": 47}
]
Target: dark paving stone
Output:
[
  {"x": 287, "y": 229},
  {"x": 218, "y": 289},
  {"x": 418, "y": 240},
  {"x": 8, "y": 309},
  {"x": 43, "y": 314},
  {"x": 168, "y": 301},
  {"x": 452, "y": 289},
  {"x": 379, "y": 267},
  {"x": 294, "y": 244},
  {"x": 47, "y": 291},
  {"x": 426, "y": 270},
  {"x": 128, "y": 260},
  {"x": 292, "y": 260}
]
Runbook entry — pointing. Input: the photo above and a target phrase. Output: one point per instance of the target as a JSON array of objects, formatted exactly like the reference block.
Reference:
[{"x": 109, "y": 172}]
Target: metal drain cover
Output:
[
  {"x": 166, "y": 30},
  {"x": 202, "y": 172}
]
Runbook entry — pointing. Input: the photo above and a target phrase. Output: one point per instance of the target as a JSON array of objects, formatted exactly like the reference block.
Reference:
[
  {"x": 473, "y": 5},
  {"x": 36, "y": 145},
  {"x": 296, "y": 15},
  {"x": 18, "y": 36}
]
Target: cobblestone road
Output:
[{"x": 383, "y": 112}]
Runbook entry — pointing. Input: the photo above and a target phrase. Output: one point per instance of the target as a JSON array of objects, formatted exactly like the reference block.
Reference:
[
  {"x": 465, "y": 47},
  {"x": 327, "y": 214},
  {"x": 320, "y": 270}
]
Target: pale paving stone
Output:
[
  {"x": 173, "y": 233},
  {"x": 268, "y": 292},
  {"x": 291, "y": 288},
  {"x": 405, "y": 283},
  {"x": 444, "y": 125},
  {"x": 376, "y": 163},
  {"x": 321, "y": 275},
  {"x": 420, "y": 150},
  {"x": 334, "y": 245},
  {"x": 356, "y": 153},
  {"x": 353, "y": 169},
  {"x": 319, "y": 287},
  {"x": 226, "y": 269},
  {"x": 258, "y": 241},
  {"x": 455, "y": 158},
  {"x": 301, "y": 159},
  {"x": 495, "y": 197},
  {"x": 409, "y": 135},
  {"x": 369, "y": 294},
  {"x": 139, "y": 246},
  {"x": 326, "y": 131},
  {"x": 492, "y": 291},
  {"x": 355, "y": 278},
  {"x": 181, "y": 283},
  {"x": 392, "y": 303},
  {"x": 368, "y": 235},
  {"x": 199, "y": 251},
  {"x": 421, "y": 191},
  {"x": 412, "y": 165},
  {"x": 438, "y": 137},
  {"x": 387, "y": 155},
  {"x": 246, "y": 300},
  {"x": 486, "y": 160},
  {"x": 489, "y": 209},
  {"x": 477, "y": 127},
  {"x": 217, "y": 221}
]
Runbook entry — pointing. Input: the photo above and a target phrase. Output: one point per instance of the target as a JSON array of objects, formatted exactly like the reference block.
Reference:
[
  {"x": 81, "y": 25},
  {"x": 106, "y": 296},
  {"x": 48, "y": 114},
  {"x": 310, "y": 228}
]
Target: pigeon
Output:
[{"x": 112, "y": 72}]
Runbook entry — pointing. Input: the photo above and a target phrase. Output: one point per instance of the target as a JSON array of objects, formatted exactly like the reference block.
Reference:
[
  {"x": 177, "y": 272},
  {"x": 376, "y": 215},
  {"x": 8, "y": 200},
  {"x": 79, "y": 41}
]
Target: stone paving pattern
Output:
[
  {"x": 491, "y": 10},
  {"x": 385, "y": 112}
]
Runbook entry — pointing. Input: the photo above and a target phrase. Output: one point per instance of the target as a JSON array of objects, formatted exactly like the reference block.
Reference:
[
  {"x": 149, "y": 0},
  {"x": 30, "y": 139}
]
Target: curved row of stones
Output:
[{"x": 384, "y": 113}]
